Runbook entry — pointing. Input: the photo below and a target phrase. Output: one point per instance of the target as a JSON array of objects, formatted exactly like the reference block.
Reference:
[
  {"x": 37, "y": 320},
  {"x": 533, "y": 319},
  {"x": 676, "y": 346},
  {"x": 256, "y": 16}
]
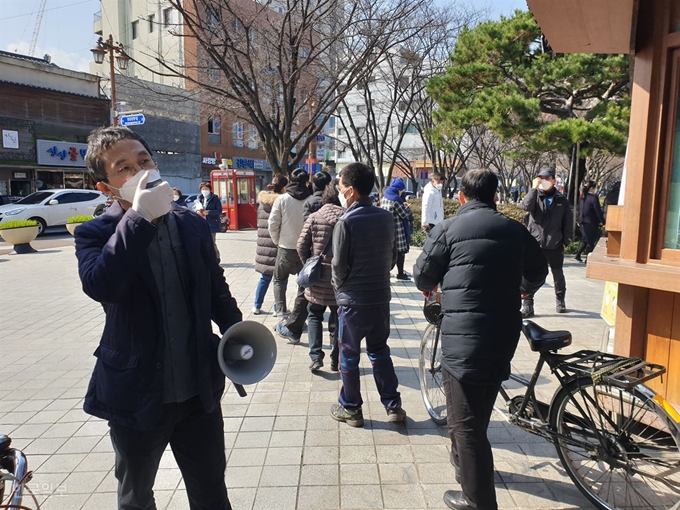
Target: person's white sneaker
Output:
[{"x": 256, "y": 311}]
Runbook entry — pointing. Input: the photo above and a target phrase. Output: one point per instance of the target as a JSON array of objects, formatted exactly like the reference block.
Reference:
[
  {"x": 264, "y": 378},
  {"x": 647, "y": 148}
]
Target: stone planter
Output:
[
  {"x": 21, "y": 238},
  {"x": 71, "y": 227}
]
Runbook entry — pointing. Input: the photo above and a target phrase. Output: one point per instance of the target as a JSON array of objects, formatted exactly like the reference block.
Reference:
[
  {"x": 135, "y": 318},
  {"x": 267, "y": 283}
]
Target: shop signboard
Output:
[{"x": 70, "y": 154}]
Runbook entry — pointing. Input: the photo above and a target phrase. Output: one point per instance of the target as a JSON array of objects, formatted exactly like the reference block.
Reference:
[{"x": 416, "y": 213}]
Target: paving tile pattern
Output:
[{"x": 283, "y": 449}]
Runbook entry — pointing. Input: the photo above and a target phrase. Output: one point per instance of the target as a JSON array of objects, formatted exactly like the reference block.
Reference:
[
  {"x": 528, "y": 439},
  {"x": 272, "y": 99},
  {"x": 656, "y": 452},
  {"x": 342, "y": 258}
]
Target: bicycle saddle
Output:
[
  {"x": 5, "y": 443},
  {"x": 542, "y": 340}
]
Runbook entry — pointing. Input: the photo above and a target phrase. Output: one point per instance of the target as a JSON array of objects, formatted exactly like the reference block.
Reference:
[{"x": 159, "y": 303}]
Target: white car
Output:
[{"x": 52, "y": 207}]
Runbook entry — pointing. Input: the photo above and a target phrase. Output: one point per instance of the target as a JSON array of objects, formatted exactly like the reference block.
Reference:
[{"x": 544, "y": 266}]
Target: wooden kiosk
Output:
[{"x": 643, "y": 249}]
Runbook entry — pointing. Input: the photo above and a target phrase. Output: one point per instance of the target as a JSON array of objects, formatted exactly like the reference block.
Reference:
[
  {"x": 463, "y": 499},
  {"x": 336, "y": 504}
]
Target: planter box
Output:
[
  {"x": 71, "y": 227},
  {"x": 20, "y": 238}
]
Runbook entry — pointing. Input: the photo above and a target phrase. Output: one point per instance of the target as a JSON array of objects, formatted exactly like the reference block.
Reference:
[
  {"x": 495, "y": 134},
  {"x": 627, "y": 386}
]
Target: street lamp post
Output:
[
  {"x": 310, "y": 147},
  {"x": 108, "y": 46}
]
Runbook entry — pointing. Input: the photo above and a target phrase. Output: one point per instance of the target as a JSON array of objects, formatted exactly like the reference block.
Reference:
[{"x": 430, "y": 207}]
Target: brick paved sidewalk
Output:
[{"x": 283, "y": 449}]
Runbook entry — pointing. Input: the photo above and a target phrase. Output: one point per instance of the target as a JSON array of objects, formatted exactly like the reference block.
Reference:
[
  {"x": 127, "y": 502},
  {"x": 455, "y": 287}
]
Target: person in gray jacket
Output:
[
  {"x": 364, "y": 252},
  {"x": 550, "y": 221}
]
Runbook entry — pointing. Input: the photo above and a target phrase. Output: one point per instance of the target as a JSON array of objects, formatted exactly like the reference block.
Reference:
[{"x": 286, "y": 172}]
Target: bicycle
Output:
[
  {"x": 618, "y": 440},
  {"x": 14, "y": 468}
]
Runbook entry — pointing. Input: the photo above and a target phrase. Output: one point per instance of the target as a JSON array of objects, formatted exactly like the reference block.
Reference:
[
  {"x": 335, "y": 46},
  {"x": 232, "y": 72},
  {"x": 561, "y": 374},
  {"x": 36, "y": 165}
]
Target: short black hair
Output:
[
  {"x": 299, "y": 176},
  {"x": 480, "y": 185},
  {"x": 320, "y": 180},
  {"x": 360, "y": 177},
  {"x": 102, "y": 139}
]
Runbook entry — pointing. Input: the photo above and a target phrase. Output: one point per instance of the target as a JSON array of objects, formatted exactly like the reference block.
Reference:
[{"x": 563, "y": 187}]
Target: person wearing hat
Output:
[
  {"x": 550, "y": 221},
  {"x": 395, "y": 204}
]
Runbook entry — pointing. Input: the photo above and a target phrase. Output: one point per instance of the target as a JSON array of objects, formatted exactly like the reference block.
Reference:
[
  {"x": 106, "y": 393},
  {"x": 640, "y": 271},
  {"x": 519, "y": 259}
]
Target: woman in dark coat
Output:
[
  {"x": 211, "y": 210},
  {"x": 590, "y": 218},
  {"x": 177, "y": 197},
  {"x": 265, "y": 253},
  {"x": 314, "y": 238}
]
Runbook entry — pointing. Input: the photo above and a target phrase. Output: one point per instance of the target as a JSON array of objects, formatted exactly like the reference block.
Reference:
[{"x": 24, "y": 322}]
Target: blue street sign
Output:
[
  {"x": 320, "y": 138},
  {"x": 131, "y": 120}
]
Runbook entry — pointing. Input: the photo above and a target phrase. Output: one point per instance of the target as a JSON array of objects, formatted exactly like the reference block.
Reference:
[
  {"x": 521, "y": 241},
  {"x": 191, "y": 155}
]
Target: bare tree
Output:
[
  {"x": 380, "y": 118},
  {"x": 285, "y": 65}
]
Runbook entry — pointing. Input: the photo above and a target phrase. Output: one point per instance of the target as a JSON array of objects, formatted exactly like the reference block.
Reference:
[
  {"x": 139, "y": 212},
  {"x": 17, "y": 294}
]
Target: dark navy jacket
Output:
[
  {"x": 214, "y": 209},
  {"x": 482, "y": 260},
  {"x": 127, "y": 382},
  {"x": 364, "y": 252}
]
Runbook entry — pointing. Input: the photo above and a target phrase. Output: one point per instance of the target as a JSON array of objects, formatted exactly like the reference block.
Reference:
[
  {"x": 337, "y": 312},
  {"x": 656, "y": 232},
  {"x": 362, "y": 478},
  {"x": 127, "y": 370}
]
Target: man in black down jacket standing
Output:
[
  {"x": 551, "y": 222},
  {"x": 364, "y": 252},
  {"x": 483, "y": 261}
]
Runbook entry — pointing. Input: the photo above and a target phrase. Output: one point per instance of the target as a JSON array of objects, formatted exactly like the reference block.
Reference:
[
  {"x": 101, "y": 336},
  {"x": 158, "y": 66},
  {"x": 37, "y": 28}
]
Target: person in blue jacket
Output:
[
  {"x": 152, "y": 266},
  {"x": 211, "y": 210}
]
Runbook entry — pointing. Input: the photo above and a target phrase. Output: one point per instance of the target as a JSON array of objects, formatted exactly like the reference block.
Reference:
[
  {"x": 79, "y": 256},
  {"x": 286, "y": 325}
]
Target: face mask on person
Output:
[
  {"x": 343, "y": 200},
  {"x": 205, "y": 193},
  {"x": 175, "y": 197},
  {"x": 128, "y": 190},
  {"x": 545, "y": 185},
  {"x": 439, "y": 187}
]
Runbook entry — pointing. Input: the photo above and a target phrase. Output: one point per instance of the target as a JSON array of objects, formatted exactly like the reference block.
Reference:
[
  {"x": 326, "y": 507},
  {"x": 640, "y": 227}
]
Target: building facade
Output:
[{"x": 46, "y": 113}]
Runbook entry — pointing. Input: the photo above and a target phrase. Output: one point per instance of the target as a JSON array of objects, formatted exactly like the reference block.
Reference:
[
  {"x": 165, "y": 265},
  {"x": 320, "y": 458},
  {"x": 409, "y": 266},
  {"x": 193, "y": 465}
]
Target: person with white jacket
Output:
[
  {"x": 433, "y": 204},
  {"x": 285, "y": 224}
]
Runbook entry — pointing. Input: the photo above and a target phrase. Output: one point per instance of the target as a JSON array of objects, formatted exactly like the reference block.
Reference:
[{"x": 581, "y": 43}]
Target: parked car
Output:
[
  {"x": 52, "y": 207},
  {"x": 189, "y": 200},
  {"x": 407, "y": 195}
]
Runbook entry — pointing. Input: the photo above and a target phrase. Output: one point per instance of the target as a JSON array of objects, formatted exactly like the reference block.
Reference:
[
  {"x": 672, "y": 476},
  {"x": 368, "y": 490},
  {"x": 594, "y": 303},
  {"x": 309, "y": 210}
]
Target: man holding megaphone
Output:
[{"x": 152, "y": 266}]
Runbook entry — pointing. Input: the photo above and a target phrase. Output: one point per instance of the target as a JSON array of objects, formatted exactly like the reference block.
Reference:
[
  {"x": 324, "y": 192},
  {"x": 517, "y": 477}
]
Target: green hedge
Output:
[
  {"x": 450, "y": 208},
  {"x": 18, "y": 224},
  {"x": 79, "y": 219}
]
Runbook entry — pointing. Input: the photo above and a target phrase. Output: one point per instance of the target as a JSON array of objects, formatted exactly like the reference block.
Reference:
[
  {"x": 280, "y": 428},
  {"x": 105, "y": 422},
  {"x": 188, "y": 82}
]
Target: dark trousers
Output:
[
  {"x": 297, "y": 318},
  {"x": 468, "y": 408},
  {"x": 315, "y": 320},
  {"x": 400, "y": 262},
  {"x": 197, "y": 442},
  {"x": 287, "y": 263},
  {"x": 556, "y": 262},
  {"x": 373, "y": 324},
  {"x": 589, "y": 237}
]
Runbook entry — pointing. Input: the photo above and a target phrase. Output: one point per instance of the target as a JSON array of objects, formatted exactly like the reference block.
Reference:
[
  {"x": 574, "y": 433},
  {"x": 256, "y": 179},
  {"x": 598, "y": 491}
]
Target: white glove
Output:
[{"x": 152, "y": 203}]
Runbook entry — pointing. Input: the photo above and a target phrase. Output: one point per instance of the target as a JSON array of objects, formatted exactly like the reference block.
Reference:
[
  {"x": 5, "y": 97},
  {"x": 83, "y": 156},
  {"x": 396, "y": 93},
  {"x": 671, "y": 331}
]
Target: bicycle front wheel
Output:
[
  {"x": 619, "y": 447},
  {"x": 430, "y": 372}
]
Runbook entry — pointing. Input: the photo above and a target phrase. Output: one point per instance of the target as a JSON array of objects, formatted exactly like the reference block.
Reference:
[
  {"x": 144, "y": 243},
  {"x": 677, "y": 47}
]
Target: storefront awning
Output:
[{"x": 586, "y": 26}]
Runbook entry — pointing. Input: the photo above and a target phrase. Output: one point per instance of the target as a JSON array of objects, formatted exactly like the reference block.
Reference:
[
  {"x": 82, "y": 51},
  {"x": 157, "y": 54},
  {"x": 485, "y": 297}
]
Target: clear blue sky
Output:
[{"x": 66, "y": 29}]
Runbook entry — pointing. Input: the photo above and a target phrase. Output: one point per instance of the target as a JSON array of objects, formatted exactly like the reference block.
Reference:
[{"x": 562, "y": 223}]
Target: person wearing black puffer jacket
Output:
[
  {"x": 265, "y": 253},
  {"x": 483, "y": 260},
  {"x": 590, "y": 217},
  {"x": 314, "y": 202}
]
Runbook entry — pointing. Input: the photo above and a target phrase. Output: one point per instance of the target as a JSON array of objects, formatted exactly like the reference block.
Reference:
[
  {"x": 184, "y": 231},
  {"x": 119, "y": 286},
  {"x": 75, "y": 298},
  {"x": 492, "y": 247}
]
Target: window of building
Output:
[
  {"x": 214, "y": 73},
  {"x": 672, "y": 233},
  {"x": 135, "y": 29},
  {"x": 342, "y": 110},
  {"x": 237, "y": 134},
  {"x": 167, "y": 16},
  {"x": 152, "y": 22},
  {"x": 361, "y": 108},
  {"x": 342, "y": 132},
  {"x": 214, "y": 125},
  {"x": 304, "y": 52}
]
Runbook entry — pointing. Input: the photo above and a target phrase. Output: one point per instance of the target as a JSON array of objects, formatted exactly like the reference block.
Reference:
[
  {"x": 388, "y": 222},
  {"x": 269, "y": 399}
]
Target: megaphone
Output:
[{"x": 247, "y": 353}]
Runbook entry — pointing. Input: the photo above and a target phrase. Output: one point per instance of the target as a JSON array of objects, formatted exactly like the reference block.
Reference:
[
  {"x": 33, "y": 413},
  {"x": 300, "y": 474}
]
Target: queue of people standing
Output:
[{"x": 154, "y": 266}]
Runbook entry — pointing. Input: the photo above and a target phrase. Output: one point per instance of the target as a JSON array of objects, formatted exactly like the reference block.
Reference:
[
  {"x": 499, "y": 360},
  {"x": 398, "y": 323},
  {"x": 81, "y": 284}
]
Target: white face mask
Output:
[
  {"x": 175, "y": 197},
  {"x": 343, "y": 200},
  {"x": 439, "y": 187},
  {"x": 545, "y": 185},
  {"x": 205, "y": 193},
  {"x": 128, "y": 190}
]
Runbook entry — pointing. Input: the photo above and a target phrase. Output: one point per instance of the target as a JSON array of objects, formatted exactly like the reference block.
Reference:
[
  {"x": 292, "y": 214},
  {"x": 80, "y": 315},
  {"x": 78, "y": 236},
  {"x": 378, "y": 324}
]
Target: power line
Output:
[{"x": 50, "y": 9}]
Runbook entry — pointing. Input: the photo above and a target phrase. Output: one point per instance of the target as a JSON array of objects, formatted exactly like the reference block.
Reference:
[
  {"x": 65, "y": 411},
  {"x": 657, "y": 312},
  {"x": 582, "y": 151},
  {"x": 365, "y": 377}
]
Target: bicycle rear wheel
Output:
[
  {"x": 430, "y": 373},
  {"x": 620, "y": 447}
]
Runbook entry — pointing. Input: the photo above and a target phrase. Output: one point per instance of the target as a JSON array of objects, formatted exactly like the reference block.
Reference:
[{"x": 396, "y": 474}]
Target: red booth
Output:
[{"x": 236, "y": 189}]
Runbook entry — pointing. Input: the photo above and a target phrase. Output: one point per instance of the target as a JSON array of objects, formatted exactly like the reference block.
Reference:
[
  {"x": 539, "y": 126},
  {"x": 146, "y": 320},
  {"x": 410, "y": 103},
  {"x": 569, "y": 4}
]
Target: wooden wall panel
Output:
[
  {"x": 659, "y": 325},
  {"x": 673, "y": 376}
]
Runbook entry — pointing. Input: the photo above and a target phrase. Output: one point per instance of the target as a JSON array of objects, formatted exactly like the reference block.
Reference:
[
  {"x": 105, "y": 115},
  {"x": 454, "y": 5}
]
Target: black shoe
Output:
[
  {"x": 395, "y": 415},
  {"x": 316, "y": 365},
  {"x": 578, "y": 257},
  {"x": 402, "y": 277},
  {"x": 527, "y": 309},
  {"x": 456, "y": 469},
  {"x": 560, "y": 306},
  {"x": 334, "y": 366},
  {"x": 457, "y": 501}
]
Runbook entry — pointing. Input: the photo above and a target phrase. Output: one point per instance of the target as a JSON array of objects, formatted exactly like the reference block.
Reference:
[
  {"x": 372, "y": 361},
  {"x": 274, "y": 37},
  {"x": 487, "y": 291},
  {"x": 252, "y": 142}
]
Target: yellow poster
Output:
[{"x": 608, "y": 312}]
